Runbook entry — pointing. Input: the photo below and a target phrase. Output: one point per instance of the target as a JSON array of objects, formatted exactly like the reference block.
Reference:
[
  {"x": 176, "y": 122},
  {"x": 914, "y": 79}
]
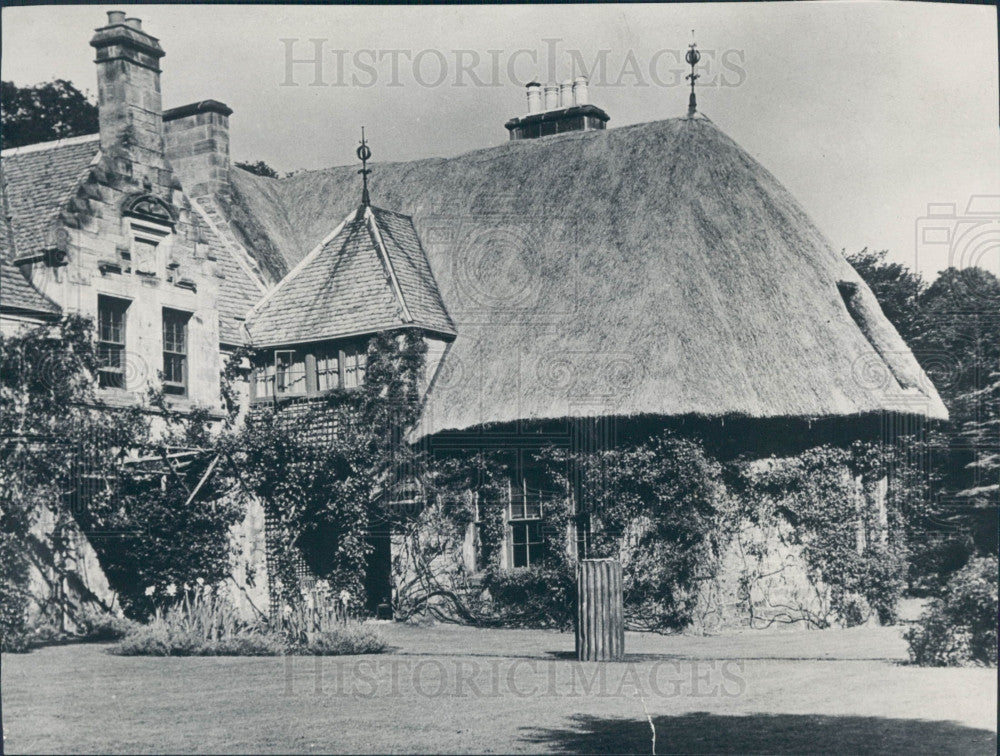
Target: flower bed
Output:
[{"x": 202, "y": 622}]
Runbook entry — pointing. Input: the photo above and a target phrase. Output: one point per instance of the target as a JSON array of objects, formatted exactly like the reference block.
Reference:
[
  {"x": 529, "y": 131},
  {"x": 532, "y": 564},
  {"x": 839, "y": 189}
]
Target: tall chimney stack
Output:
[{"x": 128, "y": 87}]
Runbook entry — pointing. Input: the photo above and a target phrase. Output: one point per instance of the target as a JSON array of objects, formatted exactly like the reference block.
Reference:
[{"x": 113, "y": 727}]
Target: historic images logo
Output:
[
  {"x": 524, "y": 678},
  {"x": 314, "y": 62},
  {"x": 946, "y": 238}
]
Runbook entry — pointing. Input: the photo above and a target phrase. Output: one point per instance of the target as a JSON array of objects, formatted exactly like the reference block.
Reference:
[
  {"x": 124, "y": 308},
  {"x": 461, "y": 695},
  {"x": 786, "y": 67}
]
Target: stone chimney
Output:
[
  {"x": 197, "y": 146},
  {"x": 128, "y": 87}
]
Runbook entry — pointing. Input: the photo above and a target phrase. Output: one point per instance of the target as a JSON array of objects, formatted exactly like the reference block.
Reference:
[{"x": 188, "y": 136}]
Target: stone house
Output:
[{"x": 601, "y": 284}]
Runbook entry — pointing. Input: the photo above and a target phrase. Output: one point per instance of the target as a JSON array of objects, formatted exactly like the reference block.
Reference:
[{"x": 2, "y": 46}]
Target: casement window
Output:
[
  {"x": 263, "y": 381},
  {"x": 111, "y": 341},
  {"x": 355, "y": 360},
  {"x": 289, "y": 373},
  {"x": 328, "y": 370},
  {"x": 297, "y": 373},
  {"x": 175, "y": 352},
  {"x": 527, "y": 541}
]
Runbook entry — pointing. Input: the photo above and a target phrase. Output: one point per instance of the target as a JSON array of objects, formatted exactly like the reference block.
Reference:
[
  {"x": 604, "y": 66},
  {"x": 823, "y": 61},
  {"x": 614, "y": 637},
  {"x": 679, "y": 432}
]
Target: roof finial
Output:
[
  {"x": 692, "y": 57},
  {"x": 364, "y": 155}
]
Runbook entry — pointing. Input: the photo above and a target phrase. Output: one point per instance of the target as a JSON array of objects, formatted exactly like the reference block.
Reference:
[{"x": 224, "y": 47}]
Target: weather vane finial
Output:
[
  {"x": 692, "y": 57},
  {"x": 364, "y": 155}
]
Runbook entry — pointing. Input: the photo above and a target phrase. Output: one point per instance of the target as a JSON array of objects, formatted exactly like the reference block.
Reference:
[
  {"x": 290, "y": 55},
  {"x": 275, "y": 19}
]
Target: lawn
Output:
[{"x": 454, "y": 689}]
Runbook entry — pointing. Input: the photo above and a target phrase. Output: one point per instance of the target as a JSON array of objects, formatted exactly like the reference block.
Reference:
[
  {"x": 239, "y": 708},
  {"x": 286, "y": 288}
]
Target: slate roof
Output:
[
  {"x": 17, "y": 295},
  {"x": 238, "y": 291},
  {"x": 369, "y": 275},
  {"x": 36, "y": 181}
]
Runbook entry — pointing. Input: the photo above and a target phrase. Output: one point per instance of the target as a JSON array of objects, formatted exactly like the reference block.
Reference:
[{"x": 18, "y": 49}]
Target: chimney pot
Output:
[
  {"x": 534, "y": 97},
  {"x": 116, "y": 17},
  {"x": 134, "y": 23},
  {"x": 566, "y": 94},
  {"x": 581, "y": 93},
  {"x": 551, "y": 97}
]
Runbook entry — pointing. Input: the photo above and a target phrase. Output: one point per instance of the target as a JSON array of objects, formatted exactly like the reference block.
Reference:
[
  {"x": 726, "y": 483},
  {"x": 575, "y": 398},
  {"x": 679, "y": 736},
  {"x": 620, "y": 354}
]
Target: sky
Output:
[{"x": 880, "y": 118}]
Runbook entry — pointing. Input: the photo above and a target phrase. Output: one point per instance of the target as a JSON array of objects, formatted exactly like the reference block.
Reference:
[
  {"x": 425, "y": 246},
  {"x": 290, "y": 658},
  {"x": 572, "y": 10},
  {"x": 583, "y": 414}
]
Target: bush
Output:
[
  {"x": 161, "y": 638},
  {"x": 13, "y": 594},
  {"x": 203, "y": 623},
  {"x": 960, "y": 627},
  {"x": 342, "y": 641},
  {"x": 533, "y": 597},
  {"x": 98, "y": 625}
]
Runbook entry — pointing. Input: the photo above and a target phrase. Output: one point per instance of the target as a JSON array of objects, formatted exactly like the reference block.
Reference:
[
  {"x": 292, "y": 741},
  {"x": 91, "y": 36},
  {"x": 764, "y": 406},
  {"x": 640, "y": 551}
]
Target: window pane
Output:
[
  {"x": 535, "y": 532},
  {"x": 290, "y": 373},
  {"x": 520, "y": 556},
  {"x": 518, "y": 533},
  {"x": 327, "y": 372}
]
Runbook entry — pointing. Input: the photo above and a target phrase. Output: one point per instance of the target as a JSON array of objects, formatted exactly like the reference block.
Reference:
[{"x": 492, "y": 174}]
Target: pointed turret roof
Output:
[{"x": 369, "y": 275}]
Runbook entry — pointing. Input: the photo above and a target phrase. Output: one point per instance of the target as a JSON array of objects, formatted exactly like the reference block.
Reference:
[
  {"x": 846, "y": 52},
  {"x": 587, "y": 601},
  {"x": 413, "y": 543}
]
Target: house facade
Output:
[{"x": 577, "y": 286}]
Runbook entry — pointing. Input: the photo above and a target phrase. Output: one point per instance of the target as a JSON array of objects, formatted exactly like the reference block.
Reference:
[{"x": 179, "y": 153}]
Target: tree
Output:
[
  {"x": 260, "y": 168},
  {"x": 953, "y": 327},
  {"x": 52, "y": 442},
  {"x": 896, "y": 287},
  {"x": 44, "y": 112},
  {"x": 64, "y": 451}
]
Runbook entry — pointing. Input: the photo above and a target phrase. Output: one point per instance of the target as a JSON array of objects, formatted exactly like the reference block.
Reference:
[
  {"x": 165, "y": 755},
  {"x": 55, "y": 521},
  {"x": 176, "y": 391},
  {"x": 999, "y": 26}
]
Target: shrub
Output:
[
  {"x": 535, "y": 597},
  {"x": 162, "y": 638},
  {"x": 99, "y": 625},
  {"x": 13, "y": 594},
  {"x": 818, "y": 494},
  {"x": 342, "y": 641},
  {"x": 960, "y": 626},
  {"x": 203, "y": 623}
]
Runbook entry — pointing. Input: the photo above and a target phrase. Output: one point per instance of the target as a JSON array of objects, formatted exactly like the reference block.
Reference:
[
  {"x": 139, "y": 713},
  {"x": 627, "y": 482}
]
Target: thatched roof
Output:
[{"x": 655, "y": 269}]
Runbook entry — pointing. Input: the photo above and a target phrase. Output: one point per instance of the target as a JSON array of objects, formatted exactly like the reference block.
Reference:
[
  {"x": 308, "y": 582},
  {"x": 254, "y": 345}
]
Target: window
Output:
[
  {"x": 527, "y": 543},
  {"x": 355, "y": 362},
  {"x": 328, "y": 370},
  {"x": 175, "y": 340},
  {"x": 295, "y": 373},
  {"x": 263, "y": 381},
  {"x": 289, "y": 373},
  {"x": 111, "y": 342}
]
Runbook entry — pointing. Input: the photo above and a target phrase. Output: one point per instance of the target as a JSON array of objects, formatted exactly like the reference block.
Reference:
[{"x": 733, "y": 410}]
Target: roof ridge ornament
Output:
[
  {"x": 692, "y": 57},
  {"x": 364, "y": 155}
]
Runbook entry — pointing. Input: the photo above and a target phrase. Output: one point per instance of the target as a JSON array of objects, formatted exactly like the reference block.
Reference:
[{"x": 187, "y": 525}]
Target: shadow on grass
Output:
[{"x": 700, "y": 732}]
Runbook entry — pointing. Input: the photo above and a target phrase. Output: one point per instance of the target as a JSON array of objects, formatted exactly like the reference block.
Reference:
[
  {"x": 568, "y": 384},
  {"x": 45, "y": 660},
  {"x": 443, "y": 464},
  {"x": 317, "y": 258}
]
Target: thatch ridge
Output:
[{"x": 651, "y": 269}]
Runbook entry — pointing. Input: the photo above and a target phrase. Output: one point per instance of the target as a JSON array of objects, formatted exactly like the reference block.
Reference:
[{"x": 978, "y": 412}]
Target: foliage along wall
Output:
[{"x": 817, "y": 539}]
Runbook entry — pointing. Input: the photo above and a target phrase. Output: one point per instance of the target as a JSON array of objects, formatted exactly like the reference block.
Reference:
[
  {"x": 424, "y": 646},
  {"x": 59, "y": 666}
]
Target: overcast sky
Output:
[{"x": 867, "y": 112}]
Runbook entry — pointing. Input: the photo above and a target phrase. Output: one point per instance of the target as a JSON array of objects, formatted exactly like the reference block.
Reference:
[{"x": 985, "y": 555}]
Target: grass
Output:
[{"x": 455, "y": 689}]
